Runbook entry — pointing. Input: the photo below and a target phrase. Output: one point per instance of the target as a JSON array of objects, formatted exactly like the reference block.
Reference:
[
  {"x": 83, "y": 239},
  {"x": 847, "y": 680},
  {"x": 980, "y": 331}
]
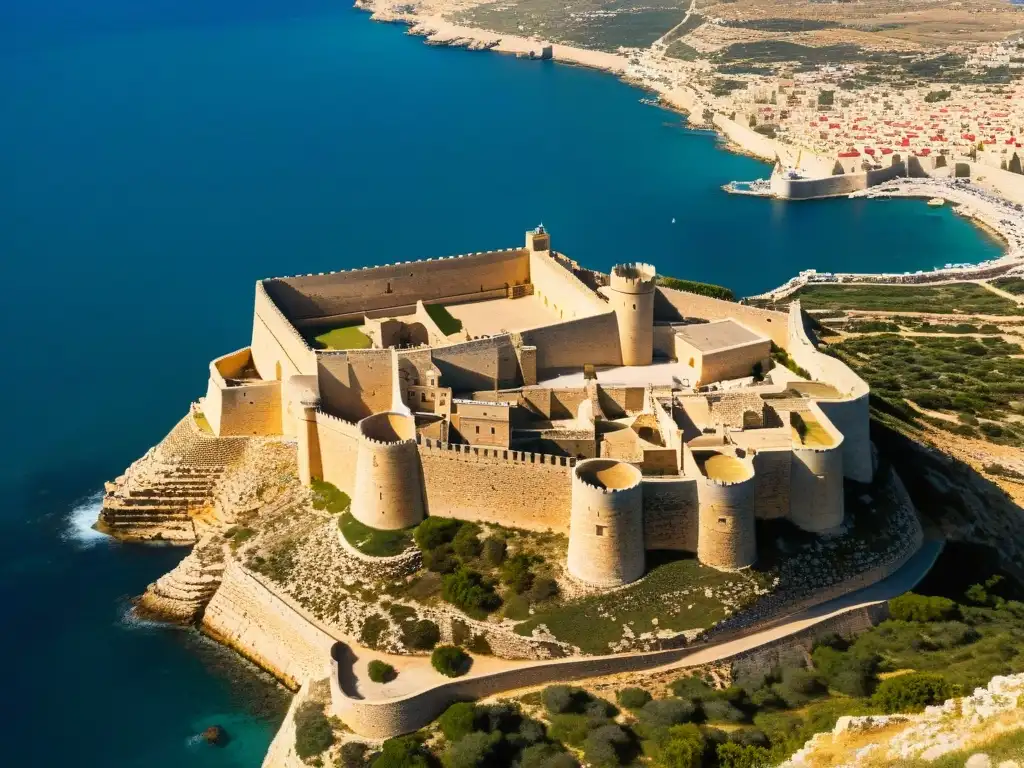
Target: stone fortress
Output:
[{"x": 516, "y": 387}]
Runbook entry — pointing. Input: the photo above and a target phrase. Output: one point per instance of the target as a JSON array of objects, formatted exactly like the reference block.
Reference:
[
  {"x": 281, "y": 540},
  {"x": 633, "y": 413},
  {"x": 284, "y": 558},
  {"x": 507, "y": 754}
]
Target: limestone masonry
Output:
[{"x": 520, "y": 388}]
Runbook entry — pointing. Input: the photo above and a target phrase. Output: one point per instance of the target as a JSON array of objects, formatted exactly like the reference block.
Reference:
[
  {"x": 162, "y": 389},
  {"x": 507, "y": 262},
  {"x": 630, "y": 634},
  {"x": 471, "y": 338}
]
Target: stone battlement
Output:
[
  {"x": 490, "y": 455},
  {"x": 634, "y": 277},
  {"x": 364, "y": 269}
]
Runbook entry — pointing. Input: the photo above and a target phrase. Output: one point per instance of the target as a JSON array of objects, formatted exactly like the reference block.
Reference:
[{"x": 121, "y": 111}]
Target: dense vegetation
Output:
[
  {"x": 1014, "y": 285},
  {"x": 450, "y": 660},
  {"x": 692, "y": 286},
  {"x": 980, "y": 381},
  {"x": 965, "y": 298},
  {"x": 313, "y": 732}
]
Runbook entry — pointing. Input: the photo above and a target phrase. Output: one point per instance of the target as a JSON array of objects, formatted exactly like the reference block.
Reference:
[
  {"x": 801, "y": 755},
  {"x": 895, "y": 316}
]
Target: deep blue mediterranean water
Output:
[{"x": 157, "y": 157}]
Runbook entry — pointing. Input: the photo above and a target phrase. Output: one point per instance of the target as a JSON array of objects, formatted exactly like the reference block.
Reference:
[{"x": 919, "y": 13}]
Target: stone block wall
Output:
[
  {"x": 670, "y": 513},
  {"x": 772, "y": 483},
  {"x": 341, "y": 295},
  {"x": 670, "y": 304},
  {"x": 726, "y": 537},
  {"x": 338, "y": 443},
  {"x": 479, "y": 364},
  {"x": 505, "y": 487},
  {"x": 278, "y": 350},
  {"x": 249, "y": 409},
  {"x": 356, "y": 383},
  {"x": 574, "y": 343},
  {"x": 560, "y": 290}
]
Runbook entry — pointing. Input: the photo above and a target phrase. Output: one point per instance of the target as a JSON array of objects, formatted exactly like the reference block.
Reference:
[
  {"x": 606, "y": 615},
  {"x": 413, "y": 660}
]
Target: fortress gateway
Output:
[{"x": 517, "y": 388}]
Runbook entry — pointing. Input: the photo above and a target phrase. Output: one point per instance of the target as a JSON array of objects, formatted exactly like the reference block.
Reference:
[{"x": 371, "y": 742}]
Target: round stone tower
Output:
[
  {"x": 606, "y": 529},
  {"x": 389, "y": 487},
  {"x": 725, "y": 493},
  {"x": 816, "y": 488},
  {"x": 632, "y": 297}
]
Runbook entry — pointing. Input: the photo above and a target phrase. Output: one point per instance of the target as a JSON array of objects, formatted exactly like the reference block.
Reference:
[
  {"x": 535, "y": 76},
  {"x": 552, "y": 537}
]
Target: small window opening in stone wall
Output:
[
  {"x": 492, "y": 430},
  {"x": 599, "y": 530},
  {"x": 478, "y": 430}
]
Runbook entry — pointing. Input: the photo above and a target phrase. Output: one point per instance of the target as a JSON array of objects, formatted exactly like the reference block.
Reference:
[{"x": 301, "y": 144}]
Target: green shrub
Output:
[
  {"x": 691, "y": 687},
  {"x": 313, "y": 732},
  {"x": 420, "y": 635},
  {"x": 545, "y": 755},
  {"x": 473, "y": 750},
  {"x": 373, "y": 627},
  {"x": 703, "y": 289},
  {"x": 570, "y": 728},
  {"x": 469, "y": 591},
  {"x": 435, "y": 531},
  {"x": 683, "y": 747},
  {"x": 516, "y": 573},
  {"x": 467, "y": 542},
  {"x": 849, "y": 673},
  {"x": 544, "y": 587},
  {"x": 402, "y": 752},
  {"x": 450, "y": 661},
  {"x": 747, "y": 737},
  {"x": 353, "y": 755},
  {"x": 381, "y": 671},
  {"x": 558, "y": 699},
  {"x": 802, "y": 681},
  {"x": 606, "y": 746},
  {"x": 911, "y": 693},
  {"x": 494, "y": 548},
  {"x": 458, "y": 720},
  {"x": 719, "y": 711},
  {"x": 662, "y": 713},
  {"x": 327, "y": 497},
  {"x": 632, "y": 698},
  {"x": 441, "y": 559},
  {"x": 914, "y": 607},
  {"x": 735, "y": 756}
]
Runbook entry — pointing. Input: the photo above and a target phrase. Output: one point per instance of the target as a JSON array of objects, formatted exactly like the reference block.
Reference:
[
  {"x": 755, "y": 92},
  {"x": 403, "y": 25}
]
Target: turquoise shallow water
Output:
[{"x": 157, "y": 158}]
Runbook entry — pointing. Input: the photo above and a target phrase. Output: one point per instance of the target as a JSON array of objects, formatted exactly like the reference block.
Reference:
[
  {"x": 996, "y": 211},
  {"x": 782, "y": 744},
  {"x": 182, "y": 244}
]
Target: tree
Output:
[
  {"x": 732, "y": 755},
  {"x": 605, "y": 746},
  {"x": 450, "y": 661},
  {"x": 544, "y": 755},
  {"x": 458, "y": 720},
  {"x": 516, "y": 574},
  {"x": 469, "y": 591},
  {"x": 472, "y": 751},
  {"x": 494, "y": 550},
  {"x": 467, "y": 543},
  {"x": 381, "y": 672},
  {"x": 558, "y": 699},
  {"x": 313, "y": 732},
  {"x": 662, "y": 713},
  {"x": 421, "y": 635},
  {"x": 914, "y": 607},
  {"x": 402, "y": 752},
  {"x": 632, "y": 698},
  {"x": 683, "y": 748},
  {"x": 912, "y": 692},
  {"x": 435, "y": 531}
]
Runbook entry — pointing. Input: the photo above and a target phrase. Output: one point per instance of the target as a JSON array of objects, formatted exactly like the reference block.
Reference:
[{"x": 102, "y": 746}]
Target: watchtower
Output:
[
  {"x": 389, "y": 486},
  {"x": 632, "y": 297},
  {"x": 606, "y": 527},
  {"x": 726, "y": 538}
]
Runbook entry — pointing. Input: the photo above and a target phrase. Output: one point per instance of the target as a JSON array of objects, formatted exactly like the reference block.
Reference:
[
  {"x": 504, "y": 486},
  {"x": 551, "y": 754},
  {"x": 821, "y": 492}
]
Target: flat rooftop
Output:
[
  {"x": 720, "y": 334},
  {"x": 494, "y": 316},
  {"x": 659, "y": 374}
]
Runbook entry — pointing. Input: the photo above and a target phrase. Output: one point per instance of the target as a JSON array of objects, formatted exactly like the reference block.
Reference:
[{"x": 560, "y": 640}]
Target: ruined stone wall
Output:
[
  {"x": 561, "y": 291},
  {"x": 278, "y": 350},
  {"x": 619, "y": 401},
  {"x": 726, "y": 537},
  {"x": 606, "y": 530},
  {"x": 670, "y": 513},
  {"x": 357, "y": 382},
  {"x": 574, "y": 343},
  {"x": 850, "y": 414},
  {"x": 347, "y": 294},
  {"x": 772, "y": 483},
  {"x": 505, "y": 487},
  {"x": 338, "y": 442},
  {"x": 670, "y": 304}
]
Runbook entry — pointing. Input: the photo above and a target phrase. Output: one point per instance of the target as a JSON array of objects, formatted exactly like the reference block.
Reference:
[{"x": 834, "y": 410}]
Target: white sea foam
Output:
[{"x": 80, "y": 521}]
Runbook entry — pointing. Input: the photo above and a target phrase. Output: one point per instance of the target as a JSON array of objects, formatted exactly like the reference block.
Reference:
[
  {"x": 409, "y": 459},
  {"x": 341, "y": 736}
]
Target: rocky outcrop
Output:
[
  {"x": 966, "y": 724},
  {"x": 181, "y": 595},
  {"x": 162, "y": 495}
]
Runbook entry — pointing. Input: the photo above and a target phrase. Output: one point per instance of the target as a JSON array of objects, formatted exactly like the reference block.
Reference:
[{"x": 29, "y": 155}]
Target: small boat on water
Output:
[
  {"x": 936, "y": 202},
  {"x": 651, "y": 102}
]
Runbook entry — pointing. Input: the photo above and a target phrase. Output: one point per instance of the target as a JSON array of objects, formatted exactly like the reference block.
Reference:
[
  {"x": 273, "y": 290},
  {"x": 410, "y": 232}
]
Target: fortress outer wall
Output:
[
  {"x": 606, "y": 530},
  {"x": 389, "y": 487}
]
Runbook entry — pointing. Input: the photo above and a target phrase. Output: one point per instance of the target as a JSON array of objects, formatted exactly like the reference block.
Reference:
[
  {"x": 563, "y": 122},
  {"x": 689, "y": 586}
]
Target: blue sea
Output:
[{"x": 157, "y": 157}]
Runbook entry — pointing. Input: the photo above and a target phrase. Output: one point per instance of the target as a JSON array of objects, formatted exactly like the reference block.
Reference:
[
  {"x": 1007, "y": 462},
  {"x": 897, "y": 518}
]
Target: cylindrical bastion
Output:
[
  {"x": 726, "y": 538},
  {"x": 816, "y": 488},
  {"x": 388, "y": 487},
  {"x": 606, "y": 527},
  {"x": 631, "y": 295}
]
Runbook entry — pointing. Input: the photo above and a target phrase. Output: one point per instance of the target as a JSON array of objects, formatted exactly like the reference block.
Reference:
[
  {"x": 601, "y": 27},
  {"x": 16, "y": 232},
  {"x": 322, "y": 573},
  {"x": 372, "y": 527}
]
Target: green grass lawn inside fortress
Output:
[
  {"x": 955, "y": 298},
  {"x": 343, "y": 337}
]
